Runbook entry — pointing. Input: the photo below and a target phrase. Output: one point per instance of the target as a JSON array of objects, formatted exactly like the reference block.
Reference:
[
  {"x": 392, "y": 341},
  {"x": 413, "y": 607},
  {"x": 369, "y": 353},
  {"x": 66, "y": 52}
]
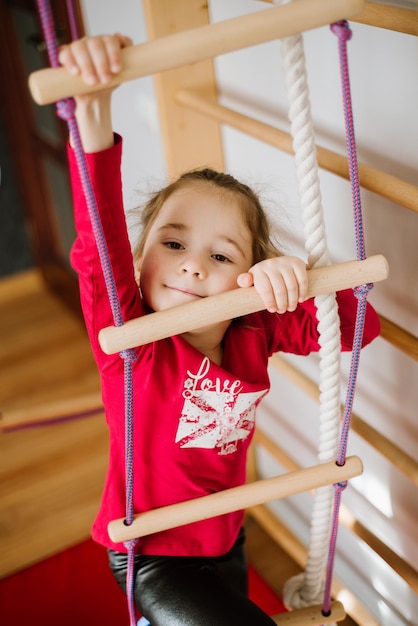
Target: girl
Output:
[{"x": 196, "y": 394}]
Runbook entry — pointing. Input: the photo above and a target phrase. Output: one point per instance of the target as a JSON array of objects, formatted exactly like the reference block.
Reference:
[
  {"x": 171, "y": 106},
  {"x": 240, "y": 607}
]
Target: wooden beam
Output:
[
  {"x": 62, "y": 410},
  {"x": 297, "y": 551},
  {"x": 390, "y": 17},
  {"x": 386, "y": 447},
  {"x": 385, "y": 185},
  {"x": 188, "y": 142},
  {"x": 399, "y": 19},
  {"x": 399, "y": 337},
  {"x": 347, "y": 519}
]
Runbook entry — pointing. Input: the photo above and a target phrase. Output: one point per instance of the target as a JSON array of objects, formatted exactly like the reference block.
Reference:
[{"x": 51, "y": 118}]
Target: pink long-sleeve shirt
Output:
[{"x": 194, "y": 419}]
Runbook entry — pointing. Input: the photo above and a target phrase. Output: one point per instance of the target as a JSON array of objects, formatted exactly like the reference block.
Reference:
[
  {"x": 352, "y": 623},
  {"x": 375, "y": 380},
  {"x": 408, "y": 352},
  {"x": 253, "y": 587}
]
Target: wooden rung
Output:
[
  {"x": 198, "y": 44},
  {"x": 311, "y": 616},
  {"x": 230, "y": 304},
  {"x": 234, "y": 499}
]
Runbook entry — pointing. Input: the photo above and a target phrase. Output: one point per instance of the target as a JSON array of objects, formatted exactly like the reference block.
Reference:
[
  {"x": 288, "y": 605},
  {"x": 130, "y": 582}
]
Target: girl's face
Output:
[{"x": 197, "y": 247}]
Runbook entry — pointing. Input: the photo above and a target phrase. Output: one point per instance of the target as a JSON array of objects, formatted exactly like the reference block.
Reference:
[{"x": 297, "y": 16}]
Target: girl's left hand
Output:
[
  {"x": 95, "y": 59},
  {"x": 282, "y": 282}
]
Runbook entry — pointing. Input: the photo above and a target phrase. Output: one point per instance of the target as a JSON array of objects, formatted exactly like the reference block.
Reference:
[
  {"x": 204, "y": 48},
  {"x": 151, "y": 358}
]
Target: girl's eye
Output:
[
  {"x": 173, "y": 245},
  {"x": 221, "y": 258}
]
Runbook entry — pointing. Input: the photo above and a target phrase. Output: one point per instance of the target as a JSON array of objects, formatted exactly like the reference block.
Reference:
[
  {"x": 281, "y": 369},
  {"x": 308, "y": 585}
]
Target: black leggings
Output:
[{"x": 192, "y": 591}]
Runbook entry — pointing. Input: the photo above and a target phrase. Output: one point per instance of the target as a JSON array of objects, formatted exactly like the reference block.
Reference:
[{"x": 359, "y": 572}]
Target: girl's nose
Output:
[{"x": 194, "y": 265}]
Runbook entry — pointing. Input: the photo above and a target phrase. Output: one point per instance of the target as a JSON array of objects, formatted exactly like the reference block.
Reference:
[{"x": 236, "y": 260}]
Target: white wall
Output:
[
  {"x": 383, "y": 74},
  {"x": 135, "y": 111}
]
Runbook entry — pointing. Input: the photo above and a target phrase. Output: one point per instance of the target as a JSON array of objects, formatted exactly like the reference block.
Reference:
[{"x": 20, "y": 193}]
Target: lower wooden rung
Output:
[{"x": 311, "y": 616}]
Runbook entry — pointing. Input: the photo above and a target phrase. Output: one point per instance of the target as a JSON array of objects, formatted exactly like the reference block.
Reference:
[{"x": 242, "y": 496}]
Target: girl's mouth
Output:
[{"x": 186, "y": 292}]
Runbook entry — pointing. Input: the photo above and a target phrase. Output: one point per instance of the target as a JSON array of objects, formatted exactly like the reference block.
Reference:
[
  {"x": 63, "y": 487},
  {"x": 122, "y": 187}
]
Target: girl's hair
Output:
[{"x": 253, "y": 213}]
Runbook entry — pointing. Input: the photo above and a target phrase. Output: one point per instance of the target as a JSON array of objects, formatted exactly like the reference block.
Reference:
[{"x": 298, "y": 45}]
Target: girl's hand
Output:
[
  {"x": 282, "y": 282},
  {"x": 95, "y": 59}
]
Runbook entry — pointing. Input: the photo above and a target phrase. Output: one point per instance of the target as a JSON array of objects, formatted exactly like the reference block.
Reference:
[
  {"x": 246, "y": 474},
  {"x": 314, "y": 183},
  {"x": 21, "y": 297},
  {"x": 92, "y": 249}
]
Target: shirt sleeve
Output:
[
  {"x": 105, "y": 176},
  {"x": 297, "y": 332}
]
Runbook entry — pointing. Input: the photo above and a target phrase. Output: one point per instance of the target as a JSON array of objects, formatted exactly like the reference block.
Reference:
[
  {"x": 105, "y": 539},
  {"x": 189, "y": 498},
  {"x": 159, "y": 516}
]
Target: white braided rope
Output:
[{"x": 307, "y": 588}]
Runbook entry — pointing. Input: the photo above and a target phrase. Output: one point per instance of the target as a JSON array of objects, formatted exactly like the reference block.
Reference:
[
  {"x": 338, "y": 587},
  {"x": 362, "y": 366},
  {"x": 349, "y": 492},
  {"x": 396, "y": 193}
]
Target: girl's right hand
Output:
[{"x": 95, "y": 59}]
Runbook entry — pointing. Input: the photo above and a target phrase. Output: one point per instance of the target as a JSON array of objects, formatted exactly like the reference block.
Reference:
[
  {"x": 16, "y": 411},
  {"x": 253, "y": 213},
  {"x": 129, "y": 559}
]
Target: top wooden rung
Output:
[{"x": 190, "y": 46}]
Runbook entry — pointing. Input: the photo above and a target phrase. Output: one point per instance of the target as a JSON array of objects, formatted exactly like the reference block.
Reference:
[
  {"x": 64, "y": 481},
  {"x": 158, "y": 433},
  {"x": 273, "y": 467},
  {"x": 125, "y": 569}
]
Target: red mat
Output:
[{"x": 76, "y": 588}]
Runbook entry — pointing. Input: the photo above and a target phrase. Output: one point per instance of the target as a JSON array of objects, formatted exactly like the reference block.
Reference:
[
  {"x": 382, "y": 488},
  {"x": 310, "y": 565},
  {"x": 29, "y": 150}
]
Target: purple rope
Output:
[
  {"x": 72, "y": 19},
  {"x": 129, "y": 358},
  {"x": 343, "y": 32},
  {"x": 47, "y": 22},
  {"x": 361, "y": 295},
  {"x": 326, "y": 605},
  {"x": 59, "y": 419},
  {"x": 130, "y": 580},
  {"x": 90, "y": 196},
  {"x": 66, "y": 111}
]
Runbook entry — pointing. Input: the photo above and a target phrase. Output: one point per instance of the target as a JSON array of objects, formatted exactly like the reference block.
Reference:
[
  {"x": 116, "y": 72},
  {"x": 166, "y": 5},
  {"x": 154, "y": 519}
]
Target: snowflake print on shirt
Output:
[{"x": 215, "y": 414}]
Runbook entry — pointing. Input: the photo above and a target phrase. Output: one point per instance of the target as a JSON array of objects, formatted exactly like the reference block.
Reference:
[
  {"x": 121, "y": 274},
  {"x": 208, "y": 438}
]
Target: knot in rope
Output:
[
  {"x": 342, "y": 30},
  {"x": 362, "y": 290},
  {"x": 66, "y": 109},
  {"x": 129, "y": 356},
  {"x": 339, "y": 487},
  {"x": 294, "y": 591},
  {"x": 130, "y": 543}
]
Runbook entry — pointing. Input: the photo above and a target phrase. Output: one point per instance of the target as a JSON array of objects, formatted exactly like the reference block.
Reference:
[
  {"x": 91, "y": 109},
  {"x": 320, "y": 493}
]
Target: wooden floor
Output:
[{"x": 51, "y": 476}]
